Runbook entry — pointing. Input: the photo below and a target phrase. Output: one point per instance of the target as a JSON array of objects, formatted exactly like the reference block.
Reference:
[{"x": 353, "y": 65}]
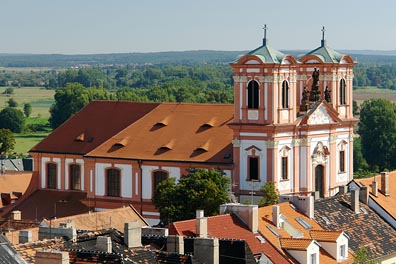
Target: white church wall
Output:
[
  {"x": 100, "y": 178},
  {"x": 126, "y": 179},
  {"x": 284, "y": 185},
  {"x": 244, "y": 144}
]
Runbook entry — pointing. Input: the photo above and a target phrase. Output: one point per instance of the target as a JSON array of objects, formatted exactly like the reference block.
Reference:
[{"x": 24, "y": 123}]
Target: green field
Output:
[{"x": 41, "y": 100}]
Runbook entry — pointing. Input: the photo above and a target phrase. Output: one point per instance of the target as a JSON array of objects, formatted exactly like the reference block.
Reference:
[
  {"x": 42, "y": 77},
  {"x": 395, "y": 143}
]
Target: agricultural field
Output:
[
  {"x": 363, "y": 94},
  {"x": 41, "y": 100}
]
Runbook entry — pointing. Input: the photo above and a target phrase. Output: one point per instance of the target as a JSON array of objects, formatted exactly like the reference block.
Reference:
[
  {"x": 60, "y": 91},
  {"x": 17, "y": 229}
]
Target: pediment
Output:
[{"x": 321, "y": 115}]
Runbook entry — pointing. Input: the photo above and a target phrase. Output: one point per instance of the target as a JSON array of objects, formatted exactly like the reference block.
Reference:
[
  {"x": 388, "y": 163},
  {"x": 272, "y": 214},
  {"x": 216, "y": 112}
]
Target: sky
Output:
[{"x": 123, "y": 26}]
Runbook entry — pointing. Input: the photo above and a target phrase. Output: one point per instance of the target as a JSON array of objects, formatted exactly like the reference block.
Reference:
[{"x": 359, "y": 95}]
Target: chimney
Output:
[
  {"x": 52, "y": 257},
  {"x": 25, "y": 236},
  {"x": 133, "y": 234},
  {"x": 202, "y": 224},
  {"x": 355, "y": 201},
  {"x": 206, "y": 250},
  {"x": 364, "y": 194},
  {"x": 385, "y": 183},
  {"x": 276, "y": 215},
  {"x": 175, "y": 244},
  {"x": 103, "y": 243},
  {"x": 246, "y": 212},
  {"x": 374, "y": 188},
  {"x": 343, "y": 189},
  {"x": 16, "y": 215}
]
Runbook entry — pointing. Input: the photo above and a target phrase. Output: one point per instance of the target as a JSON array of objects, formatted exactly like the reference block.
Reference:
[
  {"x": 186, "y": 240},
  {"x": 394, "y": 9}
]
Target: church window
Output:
[
  {"x": 113, "y": 181},
  {"x": 285, "y": 94},
  {"x": 51, "y": 176},
  {"x": 253, "y": 95},
  {"x": 158, "y": 177},
  {"x": 253, "y": 172},
  {"x": 342, "y": 161},
  {"x": 75, "y": 177},
  {"x": 285, "y": 174},
  {"x": 342, "y": 92}
]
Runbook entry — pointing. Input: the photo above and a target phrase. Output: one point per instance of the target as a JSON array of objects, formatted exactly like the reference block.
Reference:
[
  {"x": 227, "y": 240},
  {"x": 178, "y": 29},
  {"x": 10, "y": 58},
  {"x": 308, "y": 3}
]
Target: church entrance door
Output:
[{"x": 319, "y": 180}]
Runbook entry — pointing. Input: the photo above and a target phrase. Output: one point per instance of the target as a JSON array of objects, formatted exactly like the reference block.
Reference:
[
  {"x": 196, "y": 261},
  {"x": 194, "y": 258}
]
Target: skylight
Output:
[
  {"x": 363, "y": 210},
  {"x": 326, "y": 220},
  {"x": 304, "y": 223},
  {"x": 273, "y": 231}
]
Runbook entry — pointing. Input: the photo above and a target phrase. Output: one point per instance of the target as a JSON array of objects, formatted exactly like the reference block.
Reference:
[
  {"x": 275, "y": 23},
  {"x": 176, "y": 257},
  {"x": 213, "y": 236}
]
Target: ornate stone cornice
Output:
[
  {"x": 236, "y": 143},
  {"x": 333, "y": 139},
  {"x": 306, "y": 142}
]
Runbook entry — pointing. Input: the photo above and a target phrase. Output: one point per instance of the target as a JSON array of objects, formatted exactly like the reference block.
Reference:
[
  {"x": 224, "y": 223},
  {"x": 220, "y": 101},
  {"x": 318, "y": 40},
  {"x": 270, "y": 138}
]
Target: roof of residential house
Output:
[
  {"x": 297, "y": 233},
  {"x": 14, "y": 183},
  {"x": 364, "y": 229},
  {"x": 112, "y": 218},
  {"x": 50, "y": 203},
  {"x": 231, "y": 227},
  {"x": 92, "y": 125},
  {"x": 175, "y": 132},
  {"x": 386, "y": 202},
  {"x": 85, "y": 251}
]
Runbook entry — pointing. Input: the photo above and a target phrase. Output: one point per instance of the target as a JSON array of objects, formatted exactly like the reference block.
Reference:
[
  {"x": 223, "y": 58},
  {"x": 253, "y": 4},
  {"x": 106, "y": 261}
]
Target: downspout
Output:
[{"x": 141, "y": 186}]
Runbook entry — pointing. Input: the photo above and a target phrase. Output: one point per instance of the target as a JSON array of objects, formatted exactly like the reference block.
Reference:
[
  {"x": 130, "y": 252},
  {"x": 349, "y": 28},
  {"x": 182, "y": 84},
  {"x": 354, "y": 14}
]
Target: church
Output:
[{"x": 291, "y": 123}]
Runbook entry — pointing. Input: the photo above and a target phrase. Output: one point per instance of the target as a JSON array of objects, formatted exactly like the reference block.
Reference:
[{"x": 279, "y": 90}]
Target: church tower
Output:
[{"x": 293, "y": 122}]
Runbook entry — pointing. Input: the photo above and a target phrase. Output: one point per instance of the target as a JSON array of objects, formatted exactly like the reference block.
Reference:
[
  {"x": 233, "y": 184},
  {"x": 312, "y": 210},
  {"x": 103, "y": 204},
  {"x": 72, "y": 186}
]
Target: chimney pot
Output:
[
  {"x": 374, "y": 188},
  {"x": 275, "y": 215},
  {"x": 202, "y": 224},
  {"x": 364, "y": 194}
]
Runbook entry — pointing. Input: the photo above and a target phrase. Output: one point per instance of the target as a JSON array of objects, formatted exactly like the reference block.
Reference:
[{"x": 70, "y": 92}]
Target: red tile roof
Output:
[
  {"x": 295, "y": 243},
  {"x": 229, "y": 227},
  {"x": 175, "y": 132},
  {"x": 94, "y": 124},
  {"x": 15, "y": 182}
]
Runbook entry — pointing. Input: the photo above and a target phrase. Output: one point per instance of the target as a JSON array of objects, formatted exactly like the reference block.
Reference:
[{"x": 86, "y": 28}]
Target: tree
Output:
[
  {"x": 270, "y": 196},
  {"x": 200, "y": 189},
  {"x": 71, "y": 99},
  {"x": 27, "y": 109},
  {"x": 12, "y": 119},
  {"x": 362, "y": 256},
  {"x": 12, "y": 103},
  {"x": 377, "y": 129},
  {"x": 7, "y": 142}
]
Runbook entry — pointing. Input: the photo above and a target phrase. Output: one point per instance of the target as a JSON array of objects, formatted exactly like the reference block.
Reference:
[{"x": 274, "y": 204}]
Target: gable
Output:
[{"x": 320, "y": 116}]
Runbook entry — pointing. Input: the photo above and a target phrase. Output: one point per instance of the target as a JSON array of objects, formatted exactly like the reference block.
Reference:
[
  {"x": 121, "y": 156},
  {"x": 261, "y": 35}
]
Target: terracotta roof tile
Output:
[
  {"x": 295, "y": 243},
  {"x": 182, "y": 136},
  {"x": 325, "y": 235},
  {"x": 368, "y": 230},
  {"x": 386, "y": 202},
  {"x": 92, "y": 125},
  {"x": 15, "y": 182},
  {"x": 230, "y": 227}
]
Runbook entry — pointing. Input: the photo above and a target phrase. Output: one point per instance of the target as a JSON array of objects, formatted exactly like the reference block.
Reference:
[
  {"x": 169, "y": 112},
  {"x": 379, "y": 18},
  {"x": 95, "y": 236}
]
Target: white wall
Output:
[
  {"x": 147, "y": 184},
  {"x": 100, "y": 178},
  {"x": 44, "y": 160},
  {"x": 67, "y": 172},
  {"x": 126, "y": 179}
]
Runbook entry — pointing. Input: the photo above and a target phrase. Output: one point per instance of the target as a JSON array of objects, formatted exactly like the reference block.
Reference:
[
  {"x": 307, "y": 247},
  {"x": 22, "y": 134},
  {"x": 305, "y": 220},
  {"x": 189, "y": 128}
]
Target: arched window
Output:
[
  {"x": 253, "y": 174},
  {"x": 113, "y": 182},
  {"x": 159, "y": 176},
  {"x": 51, "y": 176},
  {"x": 285, "y": 94},
  {"x": 284, "y": 159},
  {"x": 342, "y": 92},
  {"x": 253, "y": 95},
  {"x": 75, "y": 177},
  {"x": 342, "y": 156}
]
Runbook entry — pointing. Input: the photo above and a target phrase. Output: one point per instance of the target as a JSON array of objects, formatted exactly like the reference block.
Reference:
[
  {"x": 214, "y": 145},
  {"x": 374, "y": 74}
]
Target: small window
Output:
[
  {"x": 75, "y": 177},
  {"x": 253, "y": 169},
  {"x": 312, "y": 258},
  {"x": 342, "y": 251},
  {"x": 253, "y": 95},
  {"x": 342, "y": 92},
  {"x": 51, "y": 176},
  {"x": 342, "y": 161},
  {"x": 285, "y": 94},
  {"x": 113, "y": 182},
  {"x": 159, "y": 176},
  {"x": 285, "y": 175}
]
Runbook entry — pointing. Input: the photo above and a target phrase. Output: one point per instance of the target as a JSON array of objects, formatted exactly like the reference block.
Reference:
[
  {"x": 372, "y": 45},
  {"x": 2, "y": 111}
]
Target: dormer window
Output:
[{"x": 253, "y": 95}]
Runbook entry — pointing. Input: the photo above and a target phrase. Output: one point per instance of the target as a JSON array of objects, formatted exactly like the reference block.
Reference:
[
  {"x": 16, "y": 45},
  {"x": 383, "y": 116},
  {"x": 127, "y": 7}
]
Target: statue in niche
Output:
[
  {"x": 315, "y": 93},
  {"x": 304, "y": 100},
  {"x": 327, "y": 95}
]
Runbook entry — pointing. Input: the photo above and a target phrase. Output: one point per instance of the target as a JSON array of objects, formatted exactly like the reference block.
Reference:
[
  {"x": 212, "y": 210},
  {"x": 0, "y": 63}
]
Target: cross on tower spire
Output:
[
  {"x": 323, "y": 42},
  {"x": 265, "y": 35}
]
